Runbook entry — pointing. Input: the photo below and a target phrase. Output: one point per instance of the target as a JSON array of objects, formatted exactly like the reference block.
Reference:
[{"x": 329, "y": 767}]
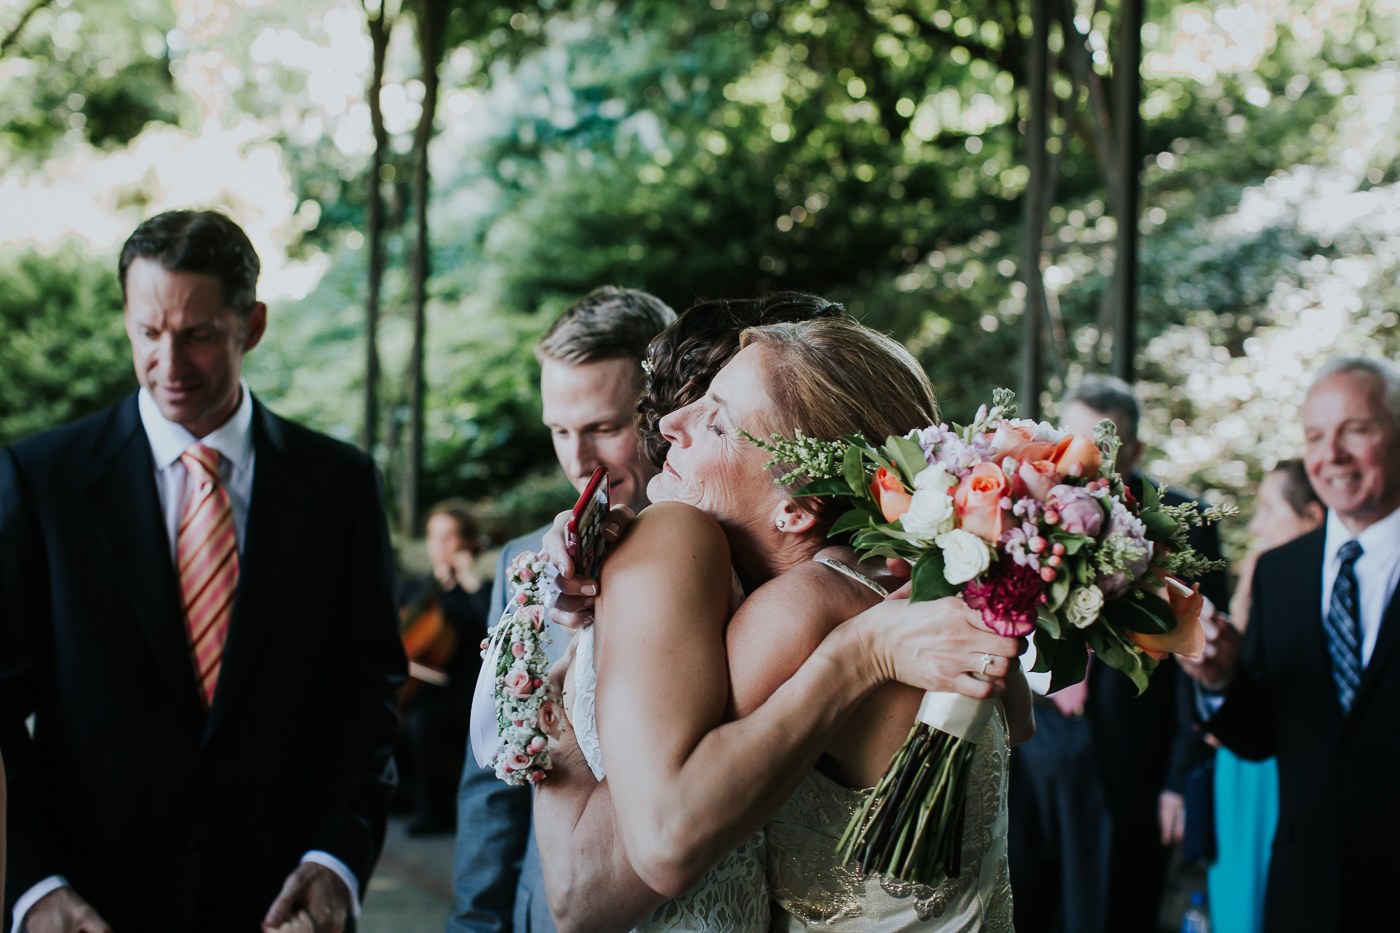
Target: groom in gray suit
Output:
[{"x": 590, "y": 380}]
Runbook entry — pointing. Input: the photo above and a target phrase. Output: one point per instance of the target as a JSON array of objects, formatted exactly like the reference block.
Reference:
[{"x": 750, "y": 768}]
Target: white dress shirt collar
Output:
[
  {"x": 1381, "y": 540},
  {"x": 233, "y": 439}
]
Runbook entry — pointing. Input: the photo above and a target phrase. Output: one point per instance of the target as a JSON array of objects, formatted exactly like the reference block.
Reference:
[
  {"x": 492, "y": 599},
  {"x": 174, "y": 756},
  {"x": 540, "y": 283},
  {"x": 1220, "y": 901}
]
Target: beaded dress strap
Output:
[{"x": 854, "y": 574}]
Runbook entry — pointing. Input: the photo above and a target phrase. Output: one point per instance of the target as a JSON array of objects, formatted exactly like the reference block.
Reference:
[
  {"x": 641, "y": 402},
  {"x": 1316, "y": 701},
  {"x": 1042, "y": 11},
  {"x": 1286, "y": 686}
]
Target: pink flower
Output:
[
  {"x": 549, "y": 718},
  {"x": 521, "y": 599},
  {"x": 1080, "y": 512},
  {"x": 889, "y": 492},
  {"x": 518, "y": 684},
  {"x": 533, "y": 615},
  {"x": 526, "y": 575},
  {"x": 1018, "y": 441},
  {"x": 535, "y": 777},
  {"x": 518, "y": 649},
  {"x": 1008, "y": 595},
  {"x": 536, "y": 745},
  {"x": 978, "y": 501},
  {"x": 1077, "y": 456},
  {"x": 518, "y": 762},
  {"x": 1038, "y": 477}
]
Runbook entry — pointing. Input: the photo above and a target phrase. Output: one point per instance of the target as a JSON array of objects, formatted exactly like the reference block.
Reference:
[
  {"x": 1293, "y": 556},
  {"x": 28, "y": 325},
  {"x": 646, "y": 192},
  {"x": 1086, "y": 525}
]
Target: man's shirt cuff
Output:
[
  {"x": 1207, "y": 704},
  {"x": 344, "y": 873},
  {"x": 32, "y": 897}
]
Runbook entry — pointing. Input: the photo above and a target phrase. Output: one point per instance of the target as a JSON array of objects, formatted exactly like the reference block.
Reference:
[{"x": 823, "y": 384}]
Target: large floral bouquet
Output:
[
  {"x": 1031, "y": 526},
  {"x": 514, "y": 678}
]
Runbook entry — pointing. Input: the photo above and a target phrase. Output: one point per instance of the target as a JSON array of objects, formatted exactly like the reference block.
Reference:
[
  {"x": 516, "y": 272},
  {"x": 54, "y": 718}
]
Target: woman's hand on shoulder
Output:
[
  {"x": 574, "y": 607},
  {"x": 940, "y": 645}
]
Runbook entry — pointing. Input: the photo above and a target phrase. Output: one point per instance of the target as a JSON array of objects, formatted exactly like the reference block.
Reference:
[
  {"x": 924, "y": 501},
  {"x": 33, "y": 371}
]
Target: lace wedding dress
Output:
[
  {"x": 815, "y": 891},
  {"x": 733, "y": 896},
  {"x": 793, "y": 859}
]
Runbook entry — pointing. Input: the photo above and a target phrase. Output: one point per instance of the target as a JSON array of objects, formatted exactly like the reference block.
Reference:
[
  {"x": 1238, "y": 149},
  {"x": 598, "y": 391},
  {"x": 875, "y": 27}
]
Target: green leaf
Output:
[
  {"x": 824, "y": 487},
  {"x": 1059, "y": 591},
  {"x": 908, "y": 455},
  {"x": 1049, "y": 622},
  {"x": 1046, "y": 648},
  {"x": 1071, "y": 661},
  {"x": 857, "y": 518},
  {"x": 1128, "y": 613},
  {"x": 1150, "y": 500},
  {"x": 853, "y": 470},
  {"x": 896, "y": 530},
  {"x": 1158, "y": 607},
  {"x": 929, "y": 581},
  {"x": 1072, "y": 543},
  {"x": 1160, "y": 526}
]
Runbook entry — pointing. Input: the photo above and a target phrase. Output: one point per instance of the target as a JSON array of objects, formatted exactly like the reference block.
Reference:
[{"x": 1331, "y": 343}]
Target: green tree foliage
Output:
[{"x": 63, "y": 348}]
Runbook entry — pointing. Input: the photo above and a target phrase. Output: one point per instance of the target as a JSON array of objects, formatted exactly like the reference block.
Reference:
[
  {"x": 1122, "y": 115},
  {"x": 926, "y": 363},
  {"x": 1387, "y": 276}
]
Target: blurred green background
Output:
[{"x": 869, "y": 151}]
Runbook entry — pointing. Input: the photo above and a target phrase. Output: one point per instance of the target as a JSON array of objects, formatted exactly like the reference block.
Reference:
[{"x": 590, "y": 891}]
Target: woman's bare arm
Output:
[{"x": 590, "y": 885}]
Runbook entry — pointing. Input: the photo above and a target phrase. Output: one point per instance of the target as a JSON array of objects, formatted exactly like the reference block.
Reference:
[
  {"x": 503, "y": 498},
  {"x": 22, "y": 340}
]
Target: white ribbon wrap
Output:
[
  {"x": 956, "y": 714},
  {"x": 485, "y": 725}
]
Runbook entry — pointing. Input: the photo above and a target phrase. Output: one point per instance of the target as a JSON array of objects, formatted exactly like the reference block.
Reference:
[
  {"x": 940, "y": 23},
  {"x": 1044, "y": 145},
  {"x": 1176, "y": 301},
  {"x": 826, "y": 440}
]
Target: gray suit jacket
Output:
[{"x": 497, "y": 877}]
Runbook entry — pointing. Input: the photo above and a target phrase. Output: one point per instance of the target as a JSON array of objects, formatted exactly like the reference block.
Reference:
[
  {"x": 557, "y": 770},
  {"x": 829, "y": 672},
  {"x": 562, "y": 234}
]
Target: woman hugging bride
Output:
[{"x": 745, "y": 682}]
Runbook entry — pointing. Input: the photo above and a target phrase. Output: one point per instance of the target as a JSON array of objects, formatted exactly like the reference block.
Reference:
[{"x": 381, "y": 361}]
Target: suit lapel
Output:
[
  {"x": 126, "y": 504},
  {"x": 1386, "y": 642},
  {"x": 277, "y": 517}
]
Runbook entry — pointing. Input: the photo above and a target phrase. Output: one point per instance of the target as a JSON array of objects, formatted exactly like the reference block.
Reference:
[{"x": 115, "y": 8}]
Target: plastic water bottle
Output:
[{"x": 1196, "y": 919}]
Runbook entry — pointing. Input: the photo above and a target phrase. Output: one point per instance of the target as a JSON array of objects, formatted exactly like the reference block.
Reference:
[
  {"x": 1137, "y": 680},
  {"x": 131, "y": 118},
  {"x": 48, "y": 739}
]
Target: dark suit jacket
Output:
[
  {"x": 127, "y": 787},
  {"x": 1335, "y": 856}
]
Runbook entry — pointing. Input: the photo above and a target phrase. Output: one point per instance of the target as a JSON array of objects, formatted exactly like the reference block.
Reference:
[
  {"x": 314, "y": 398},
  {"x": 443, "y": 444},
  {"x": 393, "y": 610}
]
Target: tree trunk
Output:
[
  {"x": 1127, "y": 78},
  {"x": 1037, "y": 132},
  {"x": 379, "y": 27},
  {"x": 432, "y": 21}
]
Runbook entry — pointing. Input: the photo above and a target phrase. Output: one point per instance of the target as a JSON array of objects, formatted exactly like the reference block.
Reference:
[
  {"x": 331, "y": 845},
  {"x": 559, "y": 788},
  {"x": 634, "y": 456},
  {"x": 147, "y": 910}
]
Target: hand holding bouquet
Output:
[{"x": 1032, "y": 527}]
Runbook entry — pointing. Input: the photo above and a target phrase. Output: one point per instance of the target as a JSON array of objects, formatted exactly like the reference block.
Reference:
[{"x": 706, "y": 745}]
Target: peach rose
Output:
[
  {"x": 1187, "y": 639},
  {"x": 518, "y": 762},
  {"x": 518, "y": 684},
  {"x": 531, "y": 614},
  {"x": 889, "y": 492},
  {"x": 1019, "y": 442},
  {"x": 549, "y": 719},
  {"x": 978, "y": 501},
  {"x": 1039, "y": 477},
  {"x": 1077, "y": 456}
]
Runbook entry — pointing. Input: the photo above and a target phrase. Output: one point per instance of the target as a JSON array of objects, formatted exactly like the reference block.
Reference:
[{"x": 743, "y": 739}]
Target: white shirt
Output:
[
  {"x": 234, "y": 442},
  {"x": 1377, "y": 572}
]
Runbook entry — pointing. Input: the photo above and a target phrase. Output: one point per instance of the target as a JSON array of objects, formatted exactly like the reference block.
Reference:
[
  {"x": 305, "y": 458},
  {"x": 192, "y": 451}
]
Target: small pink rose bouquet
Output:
[
  {"x": 514, "y": 680},
  {"x": 1032, "y": 527}
]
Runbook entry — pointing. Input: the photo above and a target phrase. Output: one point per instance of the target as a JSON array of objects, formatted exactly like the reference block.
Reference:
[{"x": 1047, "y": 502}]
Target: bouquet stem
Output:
[{"x": 910, "y": 827}]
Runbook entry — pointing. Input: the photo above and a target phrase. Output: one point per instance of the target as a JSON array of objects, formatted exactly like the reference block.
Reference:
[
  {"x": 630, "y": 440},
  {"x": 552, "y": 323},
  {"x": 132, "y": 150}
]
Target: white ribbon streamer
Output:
[
  {"x": 955, "y": 714},
  {"x": 485, "y": 724}
]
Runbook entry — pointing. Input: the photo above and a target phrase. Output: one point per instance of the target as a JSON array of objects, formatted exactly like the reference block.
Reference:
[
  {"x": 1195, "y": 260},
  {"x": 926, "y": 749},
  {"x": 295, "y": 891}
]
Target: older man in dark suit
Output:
[
  {"x": 196, "y": 608},
  {"x": 591, "y": 379},
  {"x": 1315, "y": 682}
]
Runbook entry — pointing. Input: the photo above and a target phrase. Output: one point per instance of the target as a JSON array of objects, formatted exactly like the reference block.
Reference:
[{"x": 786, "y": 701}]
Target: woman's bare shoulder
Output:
[
  {"x": 811, "y": 596},
  {"x": 669, "y": 533}
]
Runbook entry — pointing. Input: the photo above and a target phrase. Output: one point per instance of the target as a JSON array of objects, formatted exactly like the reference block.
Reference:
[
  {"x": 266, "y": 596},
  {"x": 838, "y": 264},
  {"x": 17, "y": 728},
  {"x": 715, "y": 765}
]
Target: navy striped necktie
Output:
[{"x": 1343, "y": 624}]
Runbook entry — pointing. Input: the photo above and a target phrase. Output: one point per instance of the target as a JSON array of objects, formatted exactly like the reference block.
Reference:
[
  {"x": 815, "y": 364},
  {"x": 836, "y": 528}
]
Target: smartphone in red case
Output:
[{"x": 584, "y": 534}]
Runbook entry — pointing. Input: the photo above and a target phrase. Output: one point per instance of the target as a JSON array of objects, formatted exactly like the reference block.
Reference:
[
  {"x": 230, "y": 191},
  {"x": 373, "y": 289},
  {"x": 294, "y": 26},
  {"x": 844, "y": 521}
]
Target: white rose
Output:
[
  {"x": 1084, "y": 605},
  {"x": 935, "y": 477},
  {"x": 964, "y": 555},
  {"x": 931, "y": 513}
]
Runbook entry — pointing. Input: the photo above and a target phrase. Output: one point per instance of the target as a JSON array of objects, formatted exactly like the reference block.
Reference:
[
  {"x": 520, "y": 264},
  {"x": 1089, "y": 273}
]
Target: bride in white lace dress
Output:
[{"x": 658, "y": 821}]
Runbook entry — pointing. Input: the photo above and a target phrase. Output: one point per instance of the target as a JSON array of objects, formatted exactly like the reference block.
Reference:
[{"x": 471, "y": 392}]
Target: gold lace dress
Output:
[{"x": 813, "y": 891}]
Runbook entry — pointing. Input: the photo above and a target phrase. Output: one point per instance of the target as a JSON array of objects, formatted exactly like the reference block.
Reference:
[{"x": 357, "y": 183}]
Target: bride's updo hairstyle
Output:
[
  {"x": 683, "y": 359},
  {"x": 833, "y": 376}
]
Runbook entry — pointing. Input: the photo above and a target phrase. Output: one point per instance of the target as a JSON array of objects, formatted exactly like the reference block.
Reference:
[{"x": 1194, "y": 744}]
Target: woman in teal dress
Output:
[{"x": 1246, "y": 792}]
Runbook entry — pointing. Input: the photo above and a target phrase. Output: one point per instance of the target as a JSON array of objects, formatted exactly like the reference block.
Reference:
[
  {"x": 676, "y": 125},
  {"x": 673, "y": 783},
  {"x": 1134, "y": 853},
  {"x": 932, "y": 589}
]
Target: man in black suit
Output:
[
  {"x": 196, "y": 608},
  {"x": 1314, "y": 682},
  {"x": 1097, "y": 796}
]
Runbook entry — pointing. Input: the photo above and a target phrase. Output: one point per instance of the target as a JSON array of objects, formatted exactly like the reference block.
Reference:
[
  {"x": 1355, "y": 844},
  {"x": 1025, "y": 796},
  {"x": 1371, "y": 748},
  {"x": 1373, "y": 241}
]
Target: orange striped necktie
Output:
[{"x": 207, "y": 556}]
